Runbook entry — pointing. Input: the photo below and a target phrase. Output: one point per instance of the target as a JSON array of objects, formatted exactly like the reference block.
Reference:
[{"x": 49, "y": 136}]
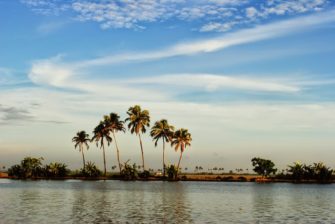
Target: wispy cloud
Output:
[
  {"x": 50, "y": 27},
  {"x": 210, "y": 82},
  {"x": 244, "y": 36}
]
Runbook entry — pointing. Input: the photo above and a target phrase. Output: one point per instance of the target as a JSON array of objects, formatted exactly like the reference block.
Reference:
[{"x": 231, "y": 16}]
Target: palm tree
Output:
[
  {"x": 162, "y": 130},
  {"x": 99, "y": 134},
  {"x": 81, "y": 140},
  {"x": 113, "y": 124},
  {"x": 138, "y": 121},
  {"x": 181, "y": 139}
]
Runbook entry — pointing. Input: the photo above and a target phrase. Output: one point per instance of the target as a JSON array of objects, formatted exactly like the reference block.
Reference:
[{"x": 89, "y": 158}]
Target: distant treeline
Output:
[{"x": 32, "y": 168}]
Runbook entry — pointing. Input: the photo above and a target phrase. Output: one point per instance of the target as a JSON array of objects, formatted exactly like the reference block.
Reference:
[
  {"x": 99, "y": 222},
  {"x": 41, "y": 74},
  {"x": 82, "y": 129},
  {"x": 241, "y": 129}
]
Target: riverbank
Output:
[{"x": 189, "y": 177}]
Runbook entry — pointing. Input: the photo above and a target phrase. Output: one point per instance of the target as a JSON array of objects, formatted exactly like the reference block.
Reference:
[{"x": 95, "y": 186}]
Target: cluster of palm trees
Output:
[{"x": 138, "y": 121}]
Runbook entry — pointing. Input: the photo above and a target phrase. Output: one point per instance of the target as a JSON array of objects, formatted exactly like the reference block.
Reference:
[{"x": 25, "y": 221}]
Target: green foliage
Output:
[
  {"x": 318, "y": 172},
  {"x": 172, "y": 172},
  {"x": 29, "y": 168},
  {"x": 144, "y": 174},
  {"x": 32, "y": 168},
  {"x": 263, "y": 167},
  {"x": 55, "y": 170},
  {"x": 91, "y": 170},
  {"x": 129, "y": 172},
  {"x": 138, "y": 119}
]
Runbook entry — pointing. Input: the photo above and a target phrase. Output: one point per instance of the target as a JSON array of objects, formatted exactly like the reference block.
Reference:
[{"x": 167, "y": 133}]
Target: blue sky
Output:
[{"x": 247, "y": 78}]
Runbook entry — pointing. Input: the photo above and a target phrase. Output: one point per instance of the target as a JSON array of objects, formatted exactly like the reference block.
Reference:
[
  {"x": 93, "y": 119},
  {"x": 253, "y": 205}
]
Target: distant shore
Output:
[{"x": 189, "y": 177}]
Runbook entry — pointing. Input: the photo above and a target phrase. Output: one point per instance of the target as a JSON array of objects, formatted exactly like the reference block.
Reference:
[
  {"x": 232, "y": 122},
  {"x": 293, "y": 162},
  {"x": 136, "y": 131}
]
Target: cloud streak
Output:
[
  {"x": 244, "y": 36},
  {"x": 210, "y": 82}
]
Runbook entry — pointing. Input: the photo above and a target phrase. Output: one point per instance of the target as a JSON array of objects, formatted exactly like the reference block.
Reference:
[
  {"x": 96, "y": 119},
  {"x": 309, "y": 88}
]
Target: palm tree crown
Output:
[
  {"x": 113, "y": 123},
  {"x": 81, "y": 139},
  {"x": 138, "y": 119},
  {"x": 181, "y": 139},
  {"x": 162, "y": 130}
]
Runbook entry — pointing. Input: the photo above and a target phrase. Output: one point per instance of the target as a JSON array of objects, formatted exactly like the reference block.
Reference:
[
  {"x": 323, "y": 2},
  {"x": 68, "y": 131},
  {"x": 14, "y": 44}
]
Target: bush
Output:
[
  {"x": 129, "y": 172},
  {"x": 91, "y": 170},
  {"x": 55, "y": 170},
  {"x": 172, "y": 172},
  {"x": 317, "y": 172},
  {"x": 145, "y": 174},
  {"x": 28, "y": 168}
]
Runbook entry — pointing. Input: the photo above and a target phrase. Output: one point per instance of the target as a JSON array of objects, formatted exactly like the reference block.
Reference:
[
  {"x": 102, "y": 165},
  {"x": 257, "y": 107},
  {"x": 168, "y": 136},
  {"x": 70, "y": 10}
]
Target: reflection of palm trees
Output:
[{"x": 173, "y": 205}]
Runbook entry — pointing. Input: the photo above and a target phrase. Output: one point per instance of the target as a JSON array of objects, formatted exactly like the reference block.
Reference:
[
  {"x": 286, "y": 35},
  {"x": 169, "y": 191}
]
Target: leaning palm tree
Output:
[
  {"x": 100, "y": 134},
  {"x": 138, "y": 121},
  {"x": 81, "y": 140},
  {"x": 181, "y": 139},
  {"x": 162, "y": 130},
  {"x": 113, "y": 124}
]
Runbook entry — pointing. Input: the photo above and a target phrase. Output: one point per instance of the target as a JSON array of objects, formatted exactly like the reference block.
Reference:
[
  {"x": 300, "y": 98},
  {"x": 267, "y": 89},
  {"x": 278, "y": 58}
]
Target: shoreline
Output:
[{"x": 188, "y": 177}]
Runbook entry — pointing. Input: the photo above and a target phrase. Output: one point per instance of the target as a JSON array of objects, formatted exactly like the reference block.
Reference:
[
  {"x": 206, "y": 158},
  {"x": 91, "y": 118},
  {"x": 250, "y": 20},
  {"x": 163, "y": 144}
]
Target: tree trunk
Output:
[
  {"x": 143, "y": 166},
  {"x": 163, "y": 157},
  {"x": 103, "y": 149},
  {"x": 82, "y": 152},
  {"x": 181, "y": 155},
  {"x": 117, "y": 152}
]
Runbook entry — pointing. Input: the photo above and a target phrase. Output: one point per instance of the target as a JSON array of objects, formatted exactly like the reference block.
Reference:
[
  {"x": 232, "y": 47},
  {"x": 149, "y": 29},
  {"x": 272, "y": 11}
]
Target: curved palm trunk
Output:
[
  {"x": 104, "y": 154},
  {"x": 117, "y": 152},
  {"x": 143, "y": 166},
  {"x": 82, "y": 152},
  {"x": 163, "y": 157},
  {"x": 181, "y": 155}
]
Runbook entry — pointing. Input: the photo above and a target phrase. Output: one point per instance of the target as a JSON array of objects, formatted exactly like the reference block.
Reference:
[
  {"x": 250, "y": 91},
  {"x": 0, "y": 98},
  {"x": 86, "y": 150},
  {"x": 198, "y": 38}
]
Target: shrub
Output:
[
  {"x": 55, "y": 170},
  {"x": 91, "y": 170},
  {"x": 172, "y": 172},
  {"x": 129, "y": 172}
]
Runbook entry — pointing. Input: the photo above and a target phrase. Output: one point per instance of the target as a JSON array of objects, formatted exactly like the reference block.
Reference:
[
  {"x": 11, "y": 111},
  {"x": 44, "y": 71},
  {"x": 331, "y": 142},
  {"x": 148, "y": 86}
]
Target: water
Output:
[{"x": 164, "y": 202}]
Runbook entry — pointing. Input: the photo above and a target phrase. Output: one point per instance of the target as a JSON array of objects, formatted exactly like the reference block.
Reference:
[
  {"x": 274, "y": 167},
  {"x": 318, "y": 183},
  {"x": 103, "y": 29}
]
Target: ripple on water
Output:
[{"x": 79, "y": 201}]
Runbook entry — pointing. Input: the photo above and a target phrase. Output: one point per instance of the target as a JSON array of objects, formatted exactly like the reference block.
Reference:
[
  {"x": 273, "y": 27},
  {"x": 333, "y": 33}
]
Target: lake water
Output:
[{"x": 164, "y": 202}]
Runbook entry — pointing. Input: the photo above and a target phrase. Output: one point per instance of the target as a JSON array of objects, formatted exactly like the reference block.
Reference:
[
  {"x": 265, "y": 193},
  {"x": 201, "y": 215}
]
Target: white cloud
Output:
[
  {"x": 251, "y": 12},
  {"x": 212, "y": 82},
  {"x": 218, "y": 27},
  {"x": 50, "y": 72},
  {"x": 137, "y": 14}
]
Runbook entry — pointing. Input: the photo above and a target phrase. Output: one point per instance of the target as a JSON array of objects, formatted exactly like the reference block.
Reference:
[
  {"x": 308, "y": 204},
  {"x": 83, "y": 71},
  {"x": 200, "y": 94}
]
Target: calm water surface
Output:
[{"x": 164, "y": 202}]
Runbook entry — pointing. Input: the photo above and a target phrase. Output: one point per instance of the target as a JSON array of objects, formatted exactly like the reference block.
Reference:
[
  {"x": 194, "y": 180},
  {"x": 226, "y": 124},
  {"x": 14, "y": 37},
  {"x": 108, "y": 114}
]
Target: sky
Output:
[{"x": 247, "y": 78}]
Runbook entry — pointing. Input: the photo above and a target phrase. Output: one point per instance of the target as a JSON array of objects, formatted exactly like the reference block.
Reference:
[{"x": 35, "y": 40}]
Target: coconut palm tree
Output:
[
  {"x": 114, "y": 124},
  {"x": 81, "y": 140},
  {"x": 162, "y": 130},
  {"x": 101, "y": 133},
  {"x": 138, "y": 121},
  {"x": 181, "y": 139}
]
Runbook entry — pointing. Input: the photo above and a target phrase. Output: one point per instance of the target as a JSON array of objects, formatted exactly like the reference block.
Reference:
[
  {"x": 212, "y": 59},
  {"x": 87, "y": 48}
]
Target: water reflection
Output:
[
  {"x": 263, "y": 202},
  {"x": 164, "y": 202}
]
